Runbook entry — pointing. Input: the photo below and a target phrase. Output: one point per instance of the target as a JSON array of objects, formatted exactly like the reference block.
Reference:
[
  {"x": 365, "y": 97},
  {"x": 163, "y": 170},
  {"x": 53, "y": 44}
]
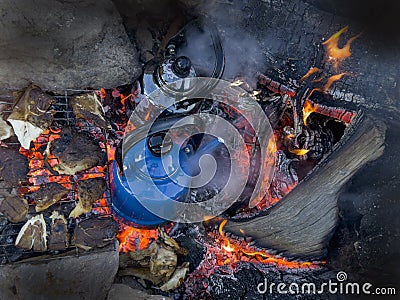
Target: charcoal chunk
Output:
[
  {"x": 33, "y": 235},
  {"x": 95, "y": 233},
  {"x": 58, "y": 238},
  {"x": 48, "y": 195},
  {"x": 13, "y": 207},
  {"x": 88, "y": 192},
  {"x": 89, "y": 107},
  {"x": 13, "y": 166},
  {"x": 76, "y": 152}
]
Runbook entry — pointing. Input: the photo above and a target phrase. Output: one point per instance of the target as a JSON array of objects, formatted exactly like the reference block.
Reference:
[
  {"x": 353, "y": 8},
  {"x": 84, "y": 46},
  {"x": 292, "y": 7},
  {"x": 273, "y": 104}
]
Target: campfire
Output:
[{"x": 61, "y": 156}]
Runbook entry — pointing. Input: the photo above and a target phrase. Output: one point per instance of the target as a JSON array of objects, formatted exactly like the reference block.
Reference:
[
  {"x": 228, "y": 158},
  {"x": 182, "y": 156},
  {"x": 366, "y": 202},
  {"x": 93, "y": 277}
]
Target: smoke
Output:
[{"x": 243, "y": 53}]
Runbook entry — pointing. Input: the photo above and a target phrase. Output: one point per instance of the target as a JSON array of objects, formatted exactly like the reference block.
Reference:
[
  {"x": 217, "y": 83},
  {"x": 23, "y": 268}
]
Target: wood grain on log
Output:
[{"x": 302, "y": 223}]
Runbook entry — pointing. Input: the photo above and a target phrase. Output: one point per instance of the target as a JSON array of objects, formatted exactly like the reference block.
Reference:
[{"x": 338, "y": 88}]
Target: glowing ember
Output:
[
  {"x": 335, "y": 54},
  {"x": 236, "y": 251},
  {"x": 101, "y": 207},
  {"x": 123, "y": 99},
  {"x": 102, "y": 93},
  {"x": 341, "y": 114},
  {"x": 308, "y": 109},
  {"x": 131, "y": 238},
  {"x": 38, "y": 173}
]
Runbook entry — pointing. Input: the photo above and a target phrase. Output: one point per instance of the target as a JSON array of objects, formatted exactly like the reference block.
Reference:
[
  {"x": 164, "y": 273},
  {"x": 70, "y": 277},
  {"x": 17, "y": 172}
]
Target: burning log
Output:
[
  {"x": 95, "y": 233},
  {"x": 48, "y": 195},
  {"x": 33, "y": 235},
  {"x": 75, "y": 152},
  {"x": 301, "y": 224},
  {"x": 13, "y": 166},
  {"x": 13, "y": 207},
  {"x": 88, "y": 192},
  {"x": 31, "y": 115},
  {"x": 58, "y": 239},
  {"x": 89, "y": 107}
]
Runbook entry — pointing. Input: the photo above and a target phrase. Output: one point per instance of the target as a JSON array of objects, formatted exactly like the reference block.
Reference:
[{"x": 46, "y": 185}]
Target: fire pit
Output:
[{"x": 105, "y": 180}]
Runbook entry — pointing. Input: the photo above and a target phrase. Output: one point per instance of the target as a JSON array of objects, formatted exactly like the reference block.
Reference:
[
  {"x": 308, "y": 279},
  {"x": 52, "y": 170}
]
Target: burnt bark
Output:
[{"x": 302, "y": 223}]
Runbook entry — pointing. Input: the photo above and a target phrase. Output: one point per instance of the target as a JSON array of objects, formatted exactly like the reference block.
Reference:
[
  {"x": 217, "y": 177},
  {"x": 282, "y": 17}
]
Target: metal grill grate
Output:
[{"x": 63, "y": 117}]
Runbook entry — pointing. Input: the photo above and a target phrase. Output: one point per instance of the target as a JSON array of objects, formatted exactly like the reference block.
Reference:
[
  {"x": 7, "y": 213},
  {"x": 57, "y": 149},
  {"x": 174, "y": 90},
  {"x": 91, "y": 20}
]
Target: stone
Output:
[
  {"x": 124, "y": 292},
  {"x": 88, "y": 275},
  {"x": 64, "y": 45}
]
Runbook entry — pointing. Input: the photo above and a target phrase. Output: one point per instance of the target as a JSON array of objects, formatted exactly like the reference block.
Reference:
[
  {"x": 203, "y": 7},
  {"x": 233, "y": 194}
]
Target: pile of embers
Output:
[{"x": 53, "y": 189}]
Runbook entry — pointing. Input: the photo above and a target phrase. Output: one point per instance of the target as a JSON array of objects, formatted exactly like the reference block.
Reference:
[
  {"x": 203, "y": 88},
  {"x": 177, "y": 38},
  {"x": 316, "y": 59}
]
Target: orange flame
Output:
[
  {"x": 299, "y": 152},
  {"x": 309, "y": 73},
  {"x": 335, "y": 54},
  {"x": 271, "y": 148},
  {"x": 123, "y": 99},
  {"x": 221, "y": 227},
  {"x": 237, "y": 252},
  {"x": 103, "y": 93},
  {"x": 331, "y": 80},
  {"x": 308, "y": 109}
]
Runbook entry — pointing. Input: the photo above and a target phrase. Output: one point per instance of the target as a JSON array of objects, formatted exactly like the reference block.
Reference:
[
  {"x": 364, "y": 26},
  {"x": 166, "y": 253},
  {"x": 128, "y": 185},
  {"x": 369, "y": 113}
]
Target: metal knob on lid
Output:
[{"x": 181, "y": 66}]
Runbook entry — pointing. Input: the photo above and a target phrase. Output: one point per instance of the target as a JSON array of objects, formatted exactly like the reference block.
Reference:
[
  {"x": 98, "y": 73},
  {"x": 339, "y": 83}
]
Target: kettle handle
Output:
[
  {"x": 219, "y": 65},
  {"x": 192, "y": 124}
]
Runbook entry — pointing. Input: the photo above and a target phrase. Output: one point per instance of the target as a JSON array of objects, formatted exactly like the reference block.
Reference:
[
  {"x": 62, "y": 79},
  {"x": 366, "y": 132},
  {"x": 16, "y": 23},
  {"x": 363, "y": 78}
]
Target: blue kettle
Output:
[{"x": 157, "y": 172}]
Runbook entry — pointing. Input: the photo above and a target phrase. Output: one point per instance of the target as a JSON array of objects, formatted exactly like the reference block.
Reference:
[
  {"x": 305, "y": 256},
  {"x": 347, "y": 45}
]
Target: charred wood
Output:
[
  {"x": 48, "y": 195},
  {"x": 33, "y": 235},
  {"x": 13, "y": 207},
  {"x": 13, "y": 166},
  {"x": 59, "y": 237},
  {"x": 302, "y": 223},
  {"x": 88, "y": 192},
  {"x": 75, "y": 152}
]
